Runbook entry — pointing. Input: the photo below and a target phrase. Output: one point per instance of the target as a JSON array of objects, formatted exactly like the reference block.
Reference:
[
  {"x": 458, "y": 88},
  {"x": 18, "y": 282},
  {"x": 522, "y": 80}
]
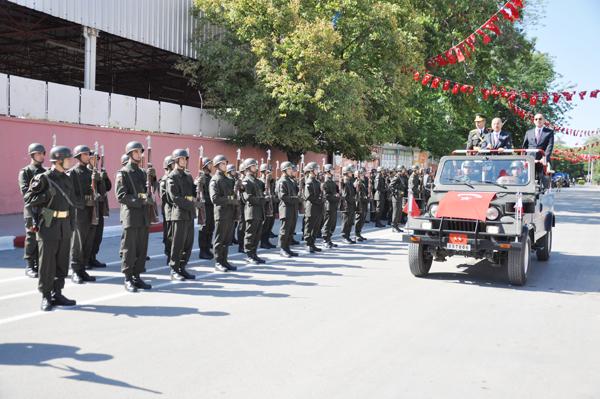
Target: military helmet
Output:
[
  {"x": 328, "y": 167},
  {"x": 36, "y": 147},
  {"x": 80, "y": 149},
  {"x": 206, "y": 161},
  {"x": 264, "y": 167},
  {"x": 180, "y": 153},
  {"x": 133, "y": 145},
  {"x": 311, "y": 166},
  {"x": 60, "y": 153},
  {"x": 125, "y": 159},
  {"x": 167, "y": 162},
  {"x": 230, "y": 167},
  {"x": 347, "y": 169},
  {"x": 249, "y": 163},
  {"x": 468, "y": 165},
  {"x": 361, "y": 170},
  {"x": 286, "y": 165},
  {"x": 415, "y": 167},
  {"x": 379, "y": 169},
  {"x": 219, "y": 159},
  {"x": 517, "y": 164}
]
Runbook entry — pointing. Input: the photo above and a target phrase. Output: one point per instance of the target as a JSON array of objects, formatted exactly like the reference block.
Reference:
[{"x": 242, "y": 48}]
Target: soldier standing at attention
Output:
[
  {"x": 37, "y": 152},
  {"x": 414, "y": 183},
  {"x": 166, "y": 207},
  {"x": 332, "y": 198},
  {"x": 206, "y": 231},
  {"x": 267, "y": 229},
  {"x": 362, "y": 203},
  {"x": 404, "y": 181},
  {"x": 181, "y": 192},
  {"x": 288, "y": 208},
  {"x": 398, "y": 190},
  {"x": 349, "y": 204},
  {"x": 51, "y": 192},
  {"x": 224, "y": 201},
  {"x": 131, "y": 192},
  {"x": 254, "y": 210},
  {"x": 85, "y": 213},
  {"x": 104, "y": 186},
  {"x": 313, "y": 206},
  {"x": 477, "y": 135},
  {"x": 379, "y": 195}
]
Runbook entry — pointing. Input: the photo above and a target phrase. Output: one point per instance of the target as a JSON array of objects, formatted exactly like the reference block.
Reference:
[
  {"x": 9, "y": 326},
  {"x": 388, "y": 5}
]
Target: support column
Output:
[{"x": 90, "y": 35}]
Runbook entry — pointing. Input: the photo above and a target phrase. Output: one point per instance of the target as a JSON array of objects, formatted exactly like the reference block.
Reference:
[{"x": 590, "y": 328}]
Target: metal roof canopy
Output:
[
  {"x": 166, "y": 24},
  {"x": 39, "y": 46}
]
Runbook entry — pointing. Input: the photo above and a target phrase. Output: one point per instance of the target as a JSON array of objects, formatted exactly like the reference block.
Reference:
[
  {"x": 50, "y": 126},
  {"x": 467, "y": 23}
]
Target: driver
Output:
[
  {"x": 518, "y": 174},
  {"x": 470, "y": 171}
]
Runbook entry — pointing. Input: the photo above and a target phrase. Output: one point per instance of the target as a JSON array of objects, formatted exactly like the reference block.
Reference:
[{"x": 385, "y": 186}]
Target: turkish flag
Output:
[
  {"x": 465, "y": 205},
  {"x": 416, "y": 211}
]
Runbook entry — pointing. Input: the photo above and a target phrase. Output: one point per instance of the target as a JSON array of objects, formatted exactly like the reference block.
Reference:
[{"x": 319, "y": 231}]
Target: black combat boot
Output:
[
  {"x": 58, "y": 299},
  {"x": 141, "y": 284},
  {"x": 186, "y": 274},
  {"x": 176, "y": 275},
  {"x": 46, "y": 302},
  {"x": 205, "y": 253},
  {"x": 31, "y": 269},
  {"x": 95, "y": 263},
  {"x": 81, "y": 277}
]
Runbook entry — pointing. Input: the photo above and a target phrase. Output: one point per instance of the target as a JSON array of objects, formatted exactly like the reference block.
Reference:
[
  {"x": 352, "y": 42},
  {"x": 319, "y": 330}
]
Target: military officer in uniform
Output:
[
  {"x": 224, "y": 201},
  {"x": 348, "y": 204},
  {"x": 37, "y": 152},
  {"x": 254, "y": 210},
  {"x": 267, "y": 230},
  {"x": 332, "y": 199},
  {"x": 313, "y": 206},
  {"x": 51, "y": 192},
  {"x": 288, "y": 208},
  {"x": 104, "y": 187},
  {"x": 85, "y": 213},
  {"x": 398, "y": 190},
  {"x": 477, "y": 135},
  {"x": 379, "y": 195},
  {"x": 166, "y": 207},
  {"x": 206, "y": 231},
  {"x": 131, "y": 192},
  {"x": 362, "y": 203},
  {"x": 181, "y": 192}
]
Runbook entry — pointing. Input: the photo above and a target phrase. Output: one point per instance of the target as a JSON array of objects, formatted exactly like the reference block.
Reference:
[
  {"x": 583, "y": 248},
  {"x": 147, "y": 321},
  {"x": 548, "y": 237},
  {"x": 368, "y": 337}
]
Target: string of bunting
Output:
[
  {"x": 510, "y": 11},
  {"x": 524, "y": 114}
]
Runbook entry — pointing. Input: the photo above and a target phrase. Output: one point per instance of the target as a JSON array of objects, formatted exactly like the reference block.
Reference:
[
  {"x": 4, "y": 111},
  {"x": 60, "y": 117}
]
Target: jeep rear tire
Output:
[
  {"x": 544, "y": 247},
  {"x": 419, "y": 260},
  {"x": 518, "y": 263}
]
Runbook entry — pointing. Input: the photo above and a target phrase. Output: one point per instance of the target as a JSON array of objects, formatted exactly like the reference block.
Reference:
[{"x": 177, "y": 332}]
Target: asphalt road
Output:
[{"x": 347, "y": 323}]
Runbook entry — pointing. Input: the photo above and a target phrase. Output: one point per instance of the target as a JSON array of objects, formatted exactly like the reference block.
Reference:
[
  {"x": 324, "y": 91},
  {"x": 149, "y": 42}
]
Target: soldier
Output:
[
  {"x": 288, "y": 208},
  {"x": 313, "y": 206},
  {"x": 404, "y": 184},
  {"x": 206, "y": 231},
  {"x": 389, "y": 175},
  {"x": 86, "y": 217},
  {"x": 240, "y": 225},
  {"x": 254, "y": 210},
  {"x": 332, "y": 198},
  {"x": 371, "y": 185},
  {"x": 104, "y": 186},
  {"x": 267, "y": 230},
  {"x": 51, "y": 192},
  {"x": 414, "y": 183},
  {"x": 132, "y": 194},
  {"x": 37, "y": 152},
  {"x": 477, "y": 135},
  {"x": 181, "y": 193},
  {"x": 362, "y": 203},
  {"x": 379, "y": 195},
  {"x": 398, "y": 190},
  {"x": 224, "y": 201},
  {"x": 166, "y": 207},
  {"x": 349, "y": 204}
]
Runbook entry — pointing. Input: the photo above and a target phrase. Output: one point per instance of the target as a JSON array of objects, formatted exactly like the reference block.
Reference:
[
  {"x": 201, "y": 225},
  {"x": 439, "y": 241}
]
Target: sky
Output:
[{"x": 569, "y": 31}]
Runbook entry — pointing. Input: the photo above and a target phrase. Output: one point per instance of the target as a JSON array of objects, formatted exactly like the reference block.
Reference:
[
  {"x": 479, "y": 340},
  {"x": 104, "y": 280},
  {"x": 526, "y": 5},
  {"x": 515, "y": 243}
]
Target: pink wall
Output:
[{"x": 17, "y": 134}]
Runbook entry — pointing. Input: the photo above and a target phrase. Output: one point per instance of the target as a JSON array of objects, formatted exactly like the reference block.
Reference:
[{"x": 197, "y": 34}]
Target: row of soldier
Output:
[{"x": 65, "y": 208}]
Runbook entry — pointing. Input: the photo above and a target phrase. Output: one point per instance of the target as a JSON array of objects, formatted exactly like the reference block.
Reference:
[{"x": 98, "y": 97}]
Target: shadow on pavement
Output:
[
  {"x": 35, "y": 354},
  {"x": 144, "y": 311}
]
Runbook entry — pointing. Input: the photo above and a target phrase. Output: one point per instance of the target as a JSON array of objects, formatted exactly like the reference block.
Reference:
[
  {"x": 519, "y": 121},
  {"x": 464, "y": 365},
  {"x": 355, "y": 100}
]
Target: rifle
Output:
[
  {"x": 301, "y": 185},
  {"x": 95, "y": 188},
  {"x": 340, "y": 189},
  {"x": 152, "y": 211},
  {"x": 370, "y": 192},
  {"x": 238, "y": 188},
  {"x": 269, "y": 208},
  {"x": 104, "y": 209},
  {"x": 200, "y": 188}
]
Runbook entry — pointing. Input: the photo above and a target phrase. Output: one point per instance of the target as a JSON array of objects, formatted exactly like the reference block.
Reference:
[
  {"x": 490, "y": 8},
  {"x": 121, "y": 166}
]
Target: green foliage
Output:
[{"x": 288, "y": 78}]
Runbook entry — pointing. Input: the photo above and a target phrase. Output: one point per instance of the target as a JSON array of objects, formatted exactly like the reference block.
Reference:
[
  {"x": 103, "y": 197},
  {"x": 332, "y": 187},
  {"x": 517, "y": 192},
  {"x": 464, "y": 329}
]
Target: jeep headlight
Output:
[
  {"x": 493, "y": 229},
  {"x": 433, "y": 209},
  {"x": 426, "y": 225},
  {"x": 492, "y": 213}
]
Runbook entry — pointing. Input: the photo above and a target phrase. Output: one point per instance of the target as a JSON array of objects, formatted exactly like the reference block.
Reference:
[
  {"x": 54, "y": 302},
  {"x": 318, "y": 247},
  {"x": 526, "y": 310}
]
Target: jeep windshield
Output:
[{"x": 495, "y": 171}]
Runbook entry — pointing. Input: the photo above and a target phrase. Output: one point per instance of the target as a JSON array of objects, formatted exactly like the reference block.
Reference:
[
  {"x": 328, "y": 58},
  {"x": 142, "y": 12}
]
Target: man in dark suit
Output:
[
  {"x": 540, "y": 138},
  {"x": 497, "y": 139}
]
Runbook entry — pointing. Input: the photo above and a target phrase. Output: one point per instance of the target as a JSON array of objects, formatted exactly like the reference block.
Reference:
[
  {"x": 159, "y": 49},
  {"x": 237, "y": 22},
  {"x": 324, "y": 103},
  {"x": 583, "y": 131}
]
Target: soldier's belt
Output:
[
  {"x": 88, "y": 197},
  {"x": 189, "y": 197},
  {"x": 60, "y": 214},
  {"x": 231, "y": 197},
  {"x": 142, "y": 195}
]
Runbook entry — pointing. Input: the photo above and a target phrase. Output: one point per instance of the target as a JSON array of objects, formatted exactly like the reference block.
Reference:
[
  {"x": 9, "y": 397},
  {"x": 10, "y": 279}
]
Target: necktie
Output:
[
  {"x": 496, "y": 139},
  {"x": 538, "y": 133}
]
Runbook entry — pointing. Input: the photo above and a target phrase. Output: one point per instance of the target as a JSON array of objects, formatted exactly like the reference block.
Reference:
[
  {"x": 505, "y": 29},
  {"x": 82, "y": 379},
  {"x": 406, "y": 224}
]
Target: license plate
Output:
[{"x": 459, "y": 247}]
